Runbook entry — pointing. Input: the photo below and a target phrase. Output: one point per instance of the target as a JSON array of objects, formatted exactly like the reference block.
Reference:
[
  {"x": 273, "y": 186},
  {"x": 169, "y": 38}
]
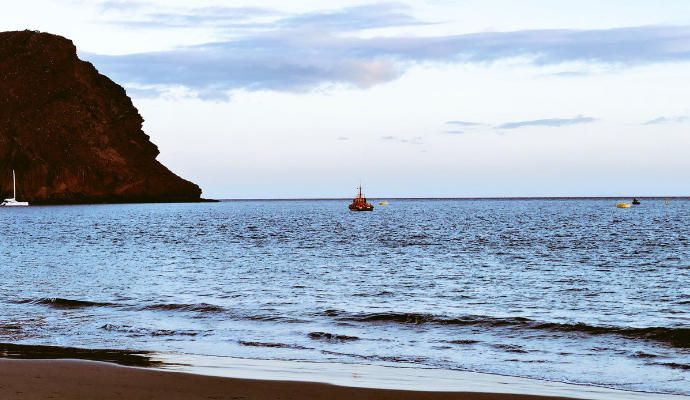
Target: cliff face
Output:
[{"x": 72, "y": 134}]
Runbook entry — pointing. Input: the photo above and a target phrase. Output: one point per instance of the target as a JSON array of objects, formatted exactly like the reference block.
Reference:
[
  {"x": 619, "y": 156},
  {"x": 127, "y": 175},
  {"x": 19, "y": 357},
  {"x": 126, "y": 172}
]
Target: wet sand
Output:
[{"x": 81, "y": 380}]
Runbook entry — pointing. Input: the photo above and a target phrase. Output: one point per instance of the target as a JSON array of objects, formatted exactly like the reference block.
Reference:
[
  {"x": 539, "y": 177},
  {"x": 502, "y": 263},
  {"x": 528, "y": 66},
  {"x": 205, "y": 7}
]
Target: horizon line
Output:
[{"x": 685, "y": 197}]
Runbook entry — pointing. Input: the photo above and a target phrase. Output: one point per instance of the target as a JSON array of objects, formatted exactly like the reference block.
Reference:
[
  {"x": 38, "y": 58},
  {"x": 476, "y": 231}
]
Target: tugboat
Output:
[
  {"x": 359, "y": 203},
  {"x": 636, "y": 202}
]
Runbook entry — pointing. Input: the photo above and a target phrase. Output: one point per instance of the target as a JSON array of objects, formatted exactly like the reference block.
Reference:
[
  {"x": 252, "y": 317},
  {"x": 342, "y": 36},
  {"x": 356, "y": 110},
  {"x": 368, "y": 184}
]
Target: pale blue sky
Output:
[{"x": 437, "y": 98}]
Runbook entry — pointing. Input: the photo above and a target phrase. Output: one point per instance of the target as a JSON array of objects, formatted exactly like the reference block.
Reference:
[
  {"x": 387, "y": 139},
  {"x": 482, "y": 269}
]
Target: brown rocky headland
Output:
[{"x": 72, "y": 134}]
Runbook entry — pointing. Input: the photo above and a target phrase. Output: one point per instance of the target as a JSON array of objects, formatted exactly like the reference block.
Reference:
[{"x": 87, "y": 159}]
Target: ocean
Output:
[{"x": 573, "y": 291}]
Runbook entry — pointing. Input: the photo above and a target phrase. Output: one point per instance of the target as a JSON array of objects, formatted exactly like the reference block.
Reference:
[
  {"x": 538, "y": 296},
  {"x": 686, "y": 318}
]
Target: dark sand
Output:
[{"x": 80, "y": 380}]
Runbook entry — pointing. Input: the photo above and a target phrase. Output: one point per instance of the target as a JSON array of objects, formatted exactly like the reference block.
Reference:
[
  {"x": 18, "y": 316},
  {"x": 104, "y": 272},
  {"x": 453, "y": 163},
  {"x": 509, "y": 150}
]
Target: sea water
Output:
[{"x": 563, "y": 290}]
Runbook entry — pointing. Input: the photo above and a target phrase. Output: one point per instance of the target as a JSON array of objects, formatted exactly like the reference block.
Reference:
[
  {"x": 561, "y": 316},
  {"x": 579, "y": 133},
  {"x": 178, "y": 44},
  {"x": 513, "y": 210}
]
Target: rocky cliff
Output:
[{"x": 72, "y": 134}]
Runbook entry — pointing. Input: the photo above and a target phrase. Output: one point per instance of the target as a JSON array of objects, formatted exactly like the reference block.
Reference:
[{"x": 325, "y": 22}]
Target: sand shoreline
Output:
[
  {"x": 68, "y": 379},
  {"x": 81, "y": 380}
]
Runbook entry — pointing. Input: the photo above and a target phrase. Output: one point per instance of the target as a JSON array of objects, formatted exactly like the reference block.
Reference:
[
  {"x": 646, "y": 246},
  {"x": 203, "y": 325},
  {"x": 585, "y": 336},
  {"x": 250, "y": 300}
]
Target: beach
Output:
[{"x": 76, "y": 380}]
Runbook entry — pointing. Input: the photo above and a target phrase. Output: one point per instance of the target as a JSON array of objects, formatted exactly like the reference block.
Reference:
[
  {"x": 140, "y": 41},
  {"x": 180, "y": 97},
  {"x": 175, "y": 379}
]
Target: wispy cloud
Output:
[
  {"x": 667, "y": 120},
  {"x": 296, "y": 52},
  {"x": 347, "y": 19},
  {"x": 343, "y": 138},
  {"x": 369, "y": 16},
  {"x": 455, "y": 132},
  {"x": 552, "y": 122},
  {"x": 464, "y": 123},
  {"x": 413, "y": 140},
  {"x": 223, "y": 18}
]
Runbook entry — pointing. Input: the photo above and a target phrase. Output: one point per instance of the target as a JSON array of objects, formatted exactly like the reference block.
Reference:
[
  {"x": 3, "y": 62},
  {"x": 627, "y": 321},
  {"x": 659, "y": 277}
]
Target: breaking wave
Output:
[
  {"x": 200, "y": 307},
  {"x": 331, "y": 337},
  {"x": 58, "y": 302},
  {"x": 676, "y": 337},
  {"x": 139, "y": 332},
  {"x": 273, "y": 345}
]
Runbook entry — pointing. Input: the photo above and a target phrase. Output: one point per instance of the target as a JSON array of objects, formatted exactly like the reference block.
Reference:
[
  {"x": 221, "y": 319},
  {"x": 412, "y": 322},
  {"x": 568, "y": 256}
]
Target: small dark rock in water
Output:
[
  {"x": 72, "y": 134},
  {"x": 331, "y": 337}
]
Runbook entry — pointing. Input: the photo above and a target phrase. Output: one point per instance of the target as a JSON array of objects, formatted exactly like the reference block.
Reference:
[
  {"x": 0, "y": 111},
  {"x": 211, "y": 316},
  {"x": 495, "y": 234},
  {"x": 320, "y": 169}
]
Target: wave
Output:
[
  {"x": 463, "y": 341},
  {"x": 685, "y": 367},
  {"x": 331, "y": 337},
  {"x": 10, "y": 331},
  {"x": 642, "y": 354},
  {"x": 10, "y": 327},
  {"x": 206, "y": 308},
  {"x": 373, "y": 357},
  {"x": 676, "y": 337},
  {"x": 200, "y": 307},
  {"x": 58, "y": 302},
  {"x": 511, "y": 348},
  {"x": 273, "y": 345},
  {"x": 139, "y": 332}
]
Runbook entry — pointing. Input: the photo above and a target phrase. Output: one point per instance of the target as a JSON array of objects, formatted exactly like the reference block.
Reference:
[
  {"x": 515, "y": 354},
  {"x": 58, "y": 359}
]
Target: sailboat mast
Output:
[{"x": 14, "y": 186}]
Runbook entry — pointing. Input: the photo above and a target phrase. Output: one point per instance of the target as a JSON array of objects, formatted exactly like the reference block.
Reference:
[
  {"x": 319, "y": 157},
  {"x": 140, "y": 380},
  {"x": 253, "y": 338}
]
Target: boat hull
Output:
[
  {"x": 355, "y": 208},
  {"x": 13, "y": 203}
]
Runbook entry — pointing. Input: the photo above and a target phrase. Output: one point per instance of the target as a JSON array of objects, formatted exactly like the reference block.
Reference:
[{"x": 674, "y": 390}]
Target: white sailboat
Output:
[{"x": 13, "y": 201}]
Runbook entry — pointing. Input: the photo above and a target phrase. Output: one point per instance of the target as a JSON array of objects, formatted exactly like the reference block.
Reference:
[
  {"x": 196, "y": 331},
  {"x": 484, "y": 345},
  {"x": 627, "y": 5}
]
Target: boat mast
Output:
[{"x": 14, "y": 186}]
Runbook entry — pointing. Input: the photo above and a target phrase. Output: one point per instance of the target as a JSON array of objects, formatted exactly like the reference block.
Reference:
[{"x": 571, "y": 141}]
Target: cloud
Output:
[
  {"x": 666, "y": 120},
  {"x": 369, "y": 16},
  {"x": 570, "y": 74},
  {"x": 300, "y": 52},
  {"x": 347, "y": 19},
  {"x": 413, "y": 140},
  {"x": 455, "y": 132},
  {"x": 225, "y": 18},
  {"x": 463, "y": 123},
  {"x": 343, "y": 138},
  {"x": 552, "y": 122},
  {"x": 120, "y": 5}
]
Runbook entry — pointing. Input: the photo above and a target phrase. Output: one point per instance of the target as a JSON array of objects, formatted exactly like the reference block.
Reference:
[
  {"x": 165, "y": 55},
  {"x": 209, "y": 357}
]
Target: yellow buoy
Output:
[
  {"x": 383, "y": 203},
  {"x": 623, "y": 205}
]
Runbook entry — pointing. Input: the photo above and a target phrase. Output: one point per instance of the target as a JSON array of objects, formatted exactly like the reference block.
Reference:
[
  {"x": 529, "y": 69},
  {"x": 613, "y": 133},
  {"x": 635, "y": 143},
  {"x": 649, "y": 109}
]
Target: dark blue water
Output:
[{"x": 574, "y": 291}]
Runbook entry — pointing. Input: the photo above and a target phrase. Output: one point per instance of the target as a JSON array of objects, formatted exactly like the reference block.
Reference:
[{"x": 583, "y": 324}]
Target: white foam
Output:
[{"x": 401, "y": 378}]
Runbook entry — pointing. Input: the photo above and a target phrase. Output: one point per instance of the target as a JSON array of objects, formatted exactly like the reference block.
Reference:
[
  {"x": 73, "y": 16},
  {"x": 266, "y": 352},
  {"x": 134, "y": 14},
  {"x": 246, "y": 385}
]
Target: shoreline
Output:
[
  {"x": 407, "y": 377},
  {"x": 184, "y": 376},
  {"x": 78, "y": 379}
]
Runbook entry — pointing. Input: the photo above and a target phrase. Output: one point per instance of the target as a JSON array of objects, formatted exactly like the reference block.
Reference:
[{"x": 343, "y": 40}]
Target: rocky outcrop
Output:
[{"x": 72, "y": 134}]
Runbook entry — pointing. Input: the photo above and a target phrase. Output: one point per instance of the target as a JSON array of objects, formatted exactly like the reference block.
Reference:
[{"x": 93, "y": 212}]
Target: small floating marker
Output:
[
  {"x": 623, "y": 205},
  {"x": 383, "y": 203}
]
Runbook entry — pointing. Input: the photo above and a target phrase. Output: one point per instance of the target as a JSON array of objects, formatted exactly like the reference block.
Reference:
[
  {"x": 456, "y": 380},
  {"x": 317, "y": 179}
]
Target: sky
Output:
[{"x": 437, "y": 98}]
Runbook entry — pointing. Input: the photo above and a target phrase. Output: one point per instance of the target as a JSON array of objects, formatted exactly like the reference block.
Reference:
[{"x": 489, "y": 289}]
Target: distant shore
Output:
[{"x": 73, "y": 380}]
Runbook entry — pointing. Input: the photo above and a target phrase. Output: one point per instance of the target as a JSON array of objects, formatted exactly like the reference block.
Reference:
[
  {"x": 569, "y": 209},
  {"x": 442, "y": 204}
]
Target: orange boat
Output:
[{"x": 359, "y": 203}]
